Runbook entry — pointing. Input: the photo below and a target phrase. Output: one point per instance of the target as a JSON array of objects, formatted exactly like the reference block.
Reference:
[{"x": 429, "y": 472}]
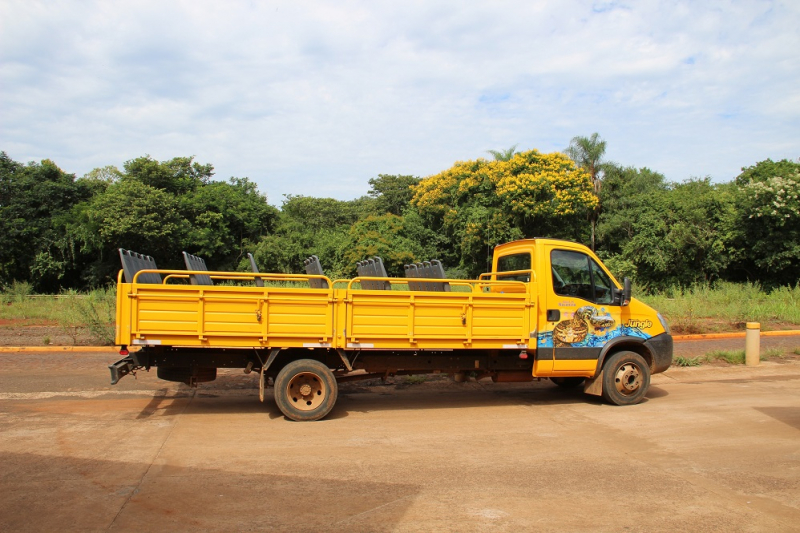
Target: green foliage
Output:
[
  {"x": 161, "y": 209},
  {"x": 770, "y": 353},
  {"x": 317, "y": 213},
  {"x": 388, "y": 236},
  {"x": 764, "y": 170},
  {"x": 478, "y": 204},
  {"x": 132, "y": 214},
  {"x": 503, "y": 155},
  {"x": 625, "y": 194},
  {"x": 734, "y": 357},
  {"x": 91, "y": 315},
  {"x": 311, "y": 226},
  {"x": 17, "y": 292},
  {"x": 687, "y": 361},
  {"x": 58, "y": 232},
  {"x": 765, "y": 227},
  {"x": 664, "y": 234},
  {"x": 588, "y": 152},
  {"x": 392, "y": 193},
  {"x": 177, "y": 176},
  {"x": 677, "y": 241},
  {"x": 33, "y": 199},
  {"x": 224, "y": 219}
]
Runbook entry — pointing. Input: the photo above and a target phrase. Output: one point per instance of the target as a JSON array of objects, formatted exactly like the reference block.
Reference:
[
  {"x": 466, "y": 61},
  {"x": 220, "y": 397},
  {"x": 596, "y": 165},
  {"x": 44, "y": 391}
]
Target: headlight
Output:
[{"x": 663, "y": 323}]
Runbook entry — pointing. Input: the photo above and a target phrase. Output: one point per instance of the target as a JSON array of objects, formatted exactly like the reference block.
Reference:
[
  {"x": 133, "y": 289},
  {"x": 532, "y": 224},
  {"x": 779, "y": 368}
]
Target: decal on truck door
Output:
[
  {"x": 589, "y": 327},
  {"x": 580, "y": 315}
]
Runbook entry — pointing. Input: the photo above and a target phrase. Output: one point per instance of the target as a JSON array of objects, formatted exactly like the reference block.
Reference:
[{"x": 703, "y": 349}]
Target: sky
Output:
[{"x": 316, "y": 97}]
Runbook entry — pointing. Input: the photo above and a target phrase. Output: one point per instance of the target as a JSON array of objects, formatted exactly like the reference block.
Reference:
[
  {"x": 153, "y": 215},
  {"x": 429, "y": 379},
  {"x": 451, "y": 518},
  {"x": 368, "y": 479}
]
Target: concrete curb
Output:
[{"x": 115, "y": 349}]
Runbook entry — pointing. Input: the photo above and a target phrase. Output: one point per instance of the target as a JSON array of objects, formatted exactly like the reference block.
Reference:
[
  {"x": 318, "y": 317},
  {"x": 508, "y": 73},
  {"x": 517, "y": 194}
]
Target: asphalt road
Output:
[{"x": 711, "y": 449}]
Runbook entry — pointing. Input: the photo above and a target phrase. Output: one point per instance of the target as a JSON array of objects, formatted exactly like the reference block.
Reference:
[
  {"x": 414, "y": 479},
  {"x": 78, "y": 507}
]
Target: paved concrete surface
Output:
[{"x": 711, "y": 449}]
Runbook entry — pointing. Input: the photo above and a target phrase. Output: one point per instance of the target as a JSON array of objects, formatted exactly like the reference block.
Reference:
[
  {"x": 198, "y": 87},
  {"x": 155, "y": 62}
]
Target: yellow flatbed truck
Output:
[{"x": 549, "y": 309}]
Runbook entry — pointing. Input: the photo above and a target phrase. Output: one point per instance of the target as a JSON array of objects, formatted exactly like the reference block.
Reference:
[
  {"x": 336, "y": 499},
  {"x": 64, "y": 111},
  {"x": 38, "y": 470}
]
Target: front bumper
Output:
[{"x": 661, "y": 348}]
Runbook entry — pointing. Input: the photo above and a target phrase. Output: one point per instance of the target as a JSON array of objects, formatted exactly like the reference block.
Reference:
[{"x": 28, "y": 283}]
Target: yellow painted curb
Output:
[
  {"x": 737, "y": 335},
  {"x": 48, "y": 349}
]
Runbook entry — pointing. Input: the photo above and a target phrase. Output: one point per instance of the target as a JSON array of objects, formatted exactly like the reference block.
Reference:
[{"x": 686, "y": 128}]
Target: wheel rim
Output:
[
  {"x": 306, "y": 391},
  {"x": 628, "y": 379}
]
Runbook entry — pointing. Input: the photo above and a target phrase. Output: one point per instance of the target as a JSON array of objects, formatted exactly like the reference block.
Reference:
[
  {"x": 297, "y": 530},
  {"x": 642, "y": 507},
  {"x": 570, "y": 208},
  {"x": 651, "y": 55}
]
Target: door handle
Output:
[{"x": 553, "y": 315}]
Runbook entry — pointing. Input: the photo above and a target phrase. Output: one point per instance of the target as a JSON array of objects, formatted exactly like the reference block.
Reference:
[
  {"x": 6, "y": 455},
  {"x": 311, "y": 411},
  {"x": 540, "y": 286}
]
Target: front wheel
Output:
[
  {"x": 626, "y": 378},
  {"x": 305, "y": 390}
]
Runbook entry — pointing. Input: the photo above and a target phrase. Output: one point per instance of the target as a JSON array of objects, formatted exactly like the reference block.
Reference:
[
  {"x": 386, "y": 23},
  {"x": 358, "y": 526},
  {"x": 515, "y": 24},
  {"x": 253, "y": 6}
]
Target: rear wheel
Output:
[
  {"x": 626, "y": 378},
  {"x": 568, "y": 383},
  {"x": 305, "y": 390}
]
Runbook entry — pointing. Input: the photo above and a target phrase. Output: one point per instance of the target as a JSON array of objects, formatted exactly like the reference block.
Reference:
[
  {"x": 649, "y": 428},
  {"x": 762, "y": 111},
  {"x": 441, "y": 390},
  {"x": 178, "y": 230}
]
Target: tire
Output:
[
  {"x": 626, "y": 378},
  {"x": 305, "y": 390},
  {"x": 568, "y": 383}
]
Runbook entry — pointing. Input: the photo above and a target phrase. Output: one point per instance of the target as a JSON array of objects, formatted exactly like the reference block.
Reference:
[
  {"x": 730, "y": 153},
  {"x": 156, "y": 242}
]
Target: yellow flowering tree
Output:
[{"x": 482, "y": 203}]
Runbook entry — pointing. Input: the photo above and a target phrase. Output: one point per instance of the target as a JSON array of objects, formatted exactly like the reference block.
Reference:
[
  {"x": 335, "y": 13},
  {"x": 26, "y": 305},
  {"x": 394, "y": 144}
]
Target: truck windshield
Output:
[
  {"x": 576, "y": 274},
  {"x": 515, "y": 262}
]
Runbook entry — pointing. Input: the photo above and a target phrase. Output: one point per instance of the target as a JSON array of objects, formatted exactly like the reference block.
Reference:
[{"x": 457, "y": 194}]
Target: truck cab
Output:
[{"x": 583, "y": 313}]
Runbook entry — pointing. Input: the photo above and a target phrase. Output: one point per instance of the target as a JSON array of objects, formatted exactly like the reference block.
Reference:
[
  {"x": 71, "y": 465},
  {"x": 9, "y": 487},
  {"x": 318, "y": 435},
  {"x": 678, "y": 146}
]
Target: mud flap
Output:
[
  {"x": 262, "y": 380},
  {"x": 594, "y": 386}
]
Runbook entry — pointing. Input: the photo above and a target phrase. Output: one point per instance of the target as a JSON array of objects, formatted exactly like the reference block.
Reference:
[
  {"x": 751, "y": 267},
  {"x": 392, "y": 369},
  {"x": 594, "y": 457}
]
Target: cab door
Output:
[{"x": 579, "y": 316}]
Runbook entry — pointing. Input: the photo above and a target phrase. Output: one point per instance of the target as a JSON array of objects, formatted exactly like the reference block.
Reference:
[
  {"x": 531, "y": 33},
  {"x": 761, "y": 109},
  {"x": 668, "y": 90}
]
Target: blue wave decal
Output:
[{"x": 594, "y": 340}]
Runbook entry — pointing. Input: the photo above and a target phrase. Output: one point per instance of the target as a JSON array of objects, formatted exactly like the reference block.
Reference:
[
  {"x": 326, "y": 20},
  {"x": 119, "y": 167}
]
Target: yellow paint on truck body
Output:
[
  {"x": 348, "y": 318},
  {"x": 506, "y": 309}
]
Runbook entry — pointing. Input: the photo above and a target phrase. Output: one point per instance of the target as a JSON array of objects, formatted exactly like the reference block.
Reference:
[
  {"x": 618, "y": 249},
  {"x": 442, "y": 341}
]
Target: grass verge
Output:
[
  {"x": 726, "y": 306},
  {"x": 78, "y": 314},
  {"x": 733, "y": 357}
]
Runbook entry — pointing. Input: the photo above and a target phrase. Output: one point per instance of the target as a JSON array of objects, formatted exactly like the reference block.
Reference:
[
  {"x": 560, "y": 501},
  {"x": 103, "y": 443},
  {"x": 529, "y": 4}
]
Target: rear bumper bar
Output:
[
  {"x": 120, "y": 369},
  {"x": 128, "y": 365}
]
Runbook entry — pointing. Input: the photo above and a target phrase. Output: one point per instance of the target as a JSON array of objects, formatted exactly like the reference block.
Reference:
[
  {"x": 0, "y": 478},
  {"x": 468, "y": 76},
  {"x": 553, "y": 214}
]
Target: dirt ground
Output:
[
  {"x": 711, "y": 449},
  {"x": 12, "y": 334}
]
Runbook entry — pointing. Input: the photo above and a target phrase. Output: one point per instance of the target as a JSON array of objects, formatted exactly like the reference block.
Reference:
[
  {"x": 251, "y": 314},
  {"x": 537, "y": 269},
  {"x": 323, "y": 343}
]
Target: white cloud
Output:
[{"x": 317, "y": 97}]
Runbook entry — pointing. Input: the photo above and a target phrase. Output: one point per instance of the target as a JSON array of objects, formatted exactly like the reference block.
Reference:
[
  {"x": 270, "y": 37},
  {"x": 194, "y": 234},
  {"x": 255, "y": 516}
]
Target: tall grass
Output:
[
  {"x": 733, "y": 304},
  {"x": 78, "y": 314},
  {"x": 94, "y": 312}
]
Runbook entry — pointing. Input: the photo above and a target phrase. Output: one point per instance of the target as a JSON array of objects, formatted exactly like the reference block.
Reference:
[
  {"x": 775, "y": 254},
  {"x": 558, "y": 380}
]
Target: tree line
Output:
[{"x": 60, "y": 232}]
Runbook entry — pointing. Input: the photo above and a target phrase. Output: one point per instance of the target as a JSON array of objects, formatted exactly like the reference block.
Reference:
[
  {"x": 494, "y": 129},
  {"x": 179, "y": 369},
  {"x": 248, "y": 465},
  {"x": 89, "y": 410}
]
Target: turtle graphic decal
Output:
[{"x": 574, "y": 331}]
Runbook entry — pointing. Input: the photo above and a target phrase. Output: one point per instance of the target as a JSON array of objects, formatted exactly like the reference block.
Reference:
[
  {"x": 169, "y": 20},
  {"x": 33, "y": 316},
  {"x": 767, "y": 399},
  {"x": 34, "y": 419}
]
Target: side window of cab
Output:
[
  {"x": 577, "y": 275},
  {"x": 518, "y": 267}
]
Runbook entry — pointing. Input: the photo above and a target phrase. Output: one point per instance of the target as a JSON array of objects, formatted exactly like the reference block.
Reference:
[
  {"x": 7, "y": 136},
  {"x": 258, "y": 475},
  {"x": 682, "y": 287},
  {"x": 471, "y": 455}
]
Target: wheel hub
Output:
[
  {"x": 306, "y": 391},
  {"x": 628, "y": 379}
]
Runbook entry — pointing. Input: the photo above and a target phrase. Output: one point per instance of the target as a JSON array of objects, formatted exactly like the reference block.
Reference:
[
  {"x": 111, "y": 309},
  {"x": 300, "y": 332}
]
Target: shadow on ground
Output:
[{"x": 98, "y": 494}]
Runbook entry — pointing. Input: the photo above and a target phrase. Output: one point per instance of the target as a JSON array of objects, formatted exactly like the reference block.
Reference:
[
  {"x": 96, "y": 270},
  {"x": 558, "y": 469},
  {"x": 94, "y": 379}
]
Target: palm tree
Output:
[
  {"x": 504, "y": 155},
  {"x": 588, "y": 152}
]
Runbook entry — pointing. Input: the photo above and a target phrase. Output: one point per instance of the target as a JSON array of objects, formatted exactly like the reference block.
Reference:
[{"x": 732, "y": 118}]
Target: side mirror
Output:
[
  {"x": 626, "y": 291},
  {"x": 622, "y": 296}
]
